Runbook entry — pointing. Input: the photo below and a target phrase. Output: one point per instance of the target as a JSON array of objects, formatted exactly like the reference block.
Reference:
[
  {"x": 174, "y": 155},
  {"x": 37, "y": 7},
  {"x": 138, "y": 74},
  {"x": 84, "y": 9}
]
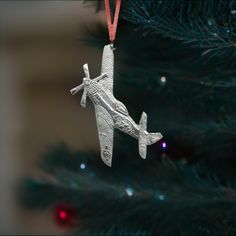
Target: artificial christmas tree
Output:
[{"x": 176, "y": 59}]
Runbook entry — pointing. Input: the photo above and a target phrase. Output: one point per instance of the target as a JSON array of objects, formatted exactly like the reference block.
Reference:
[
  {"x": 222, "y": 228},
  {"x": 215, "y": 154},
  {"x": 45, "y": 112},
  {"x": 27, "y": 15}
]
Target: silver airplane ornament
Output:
[{"x": 111, "y": 113}]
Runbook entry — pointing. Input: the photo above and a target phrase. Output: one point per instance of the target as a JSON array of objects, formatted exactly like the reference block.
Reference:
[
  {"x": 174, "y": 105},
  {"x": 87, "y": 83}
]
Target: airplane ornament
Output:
[{"x": 111, "y": 113}]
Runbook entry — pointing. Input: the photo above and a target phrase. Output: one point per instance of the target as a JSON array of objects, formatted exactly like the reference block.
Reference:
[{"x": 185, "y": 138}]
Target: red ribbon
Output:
[{"x": 112, "y": 26}]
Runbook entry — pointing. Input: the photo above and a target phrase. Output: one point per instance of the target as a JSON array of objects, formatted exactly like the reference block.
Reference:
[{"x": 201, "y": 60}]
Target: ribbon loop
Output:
[{"x": 112, "y": 27}]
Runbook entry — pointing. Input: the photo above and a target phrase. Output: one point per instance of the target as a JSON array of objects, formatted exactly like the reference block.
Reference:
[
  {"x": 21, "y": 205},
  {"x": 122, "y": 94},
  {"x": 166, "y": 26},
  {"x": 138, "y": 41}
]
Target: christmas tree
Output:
[{"x": 176, "y": 61}]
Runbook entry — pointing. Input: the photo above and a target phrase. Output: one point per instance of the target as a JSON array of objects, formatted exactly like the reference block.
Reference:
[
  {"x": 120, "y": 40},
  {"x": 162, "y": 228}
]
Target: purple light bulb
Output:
[{"x": 163, "y": 146}]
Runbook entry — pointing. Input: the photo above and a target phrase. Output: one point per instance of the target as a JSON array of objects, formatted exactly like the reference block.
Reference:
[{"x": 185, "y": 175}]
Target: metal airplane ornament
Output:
[{"x": 111, "y": 113}]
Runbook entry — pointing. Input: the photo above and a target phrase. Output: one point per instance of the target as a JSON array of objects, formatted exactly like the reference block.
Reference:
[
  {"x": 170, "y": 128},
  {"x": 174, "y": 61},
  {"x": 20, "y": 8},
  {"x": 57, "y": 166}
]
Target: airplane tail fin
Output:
[{"x": 146, "y": 138}]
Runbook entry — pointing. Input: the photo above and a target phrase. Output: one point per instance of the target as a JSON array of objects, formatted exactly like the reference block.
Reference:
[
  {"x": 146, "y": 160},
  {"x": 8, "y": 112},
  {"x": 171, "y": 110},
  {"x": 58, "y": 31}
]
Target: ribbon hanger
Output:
[{"x": 112, "y": 27}]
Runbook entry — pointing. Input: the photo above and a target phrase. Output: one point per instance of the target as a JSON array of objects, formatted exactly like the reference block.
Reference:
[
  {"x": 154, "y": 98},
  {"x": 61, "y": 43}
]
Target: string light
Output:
[
  {"x": 163, "y": 80},
  {"x": 62, "y": 214},
  {"x": 129, "y": 191},
  {"x": 82, "y": 166},
  {"x": 161, "y": 197},
  {"x": 163, "y": 145},
  {"x": 65, "y": 215}
]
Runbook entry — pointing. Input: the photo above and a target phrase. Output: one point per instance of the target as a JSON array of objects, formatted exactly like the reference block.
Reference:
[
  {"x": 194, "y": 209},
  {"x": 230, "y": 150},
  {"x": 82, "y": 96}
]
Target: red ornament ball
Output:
[{"x": 65, "y": 215}]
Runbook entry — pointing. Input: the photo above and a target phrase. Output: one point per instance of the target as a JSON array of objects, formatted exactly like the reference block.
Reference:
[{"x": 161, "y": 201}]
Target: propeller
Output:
[
  {"x": 80, "y": 87},
  {"x": 76, "y": 89},
  {"x": 83, "y": 98},
  {"x": 87, "y": 76}
]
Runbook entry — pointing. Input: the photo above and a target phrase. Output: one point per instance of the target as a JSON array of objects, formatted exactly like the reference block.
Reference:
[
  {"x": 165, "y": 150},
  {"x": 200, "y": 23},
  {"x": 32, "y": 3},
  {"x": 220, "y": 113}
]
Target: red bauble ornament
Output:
[{"x": 65, "y": 215}]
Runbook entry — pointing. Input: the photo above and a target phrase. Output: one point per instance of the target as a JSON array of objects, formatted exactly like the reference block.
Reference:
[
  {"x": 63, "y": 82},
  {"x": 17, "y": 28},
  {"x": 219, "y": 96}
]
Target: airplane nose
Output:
[{"x": 86, "y": 81}]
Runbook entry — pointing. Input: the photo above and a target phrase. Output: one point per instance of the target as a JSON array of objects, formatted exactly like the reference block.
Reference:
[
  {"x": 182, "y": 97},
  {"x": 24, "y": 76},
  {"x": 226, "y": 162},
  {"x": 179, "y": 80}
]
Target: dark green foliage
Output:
[
  {"x": 168, "y": 198},
  {"x": 206, "y": 24}
]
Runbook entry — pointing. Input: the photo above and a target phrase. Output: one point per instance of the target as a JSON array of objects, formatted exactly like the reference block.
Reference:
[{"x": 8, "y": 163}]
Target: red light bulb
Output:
[{"x": 65, "y": 215}]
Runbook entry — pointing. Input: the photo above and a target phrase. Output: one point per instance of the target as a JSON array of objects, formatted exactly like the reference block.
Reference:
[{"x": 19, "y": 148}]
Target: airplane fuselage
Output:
[{"x": 100, "y": 95}]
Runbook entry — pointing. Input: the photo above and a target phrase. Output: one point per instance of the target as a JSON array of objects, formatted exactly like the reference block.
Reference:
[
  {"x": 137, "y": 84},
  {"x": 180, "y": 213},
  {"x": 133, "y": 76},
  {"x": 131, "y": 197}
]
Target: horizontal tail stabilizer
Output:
[{"x": 146, "y": 138}]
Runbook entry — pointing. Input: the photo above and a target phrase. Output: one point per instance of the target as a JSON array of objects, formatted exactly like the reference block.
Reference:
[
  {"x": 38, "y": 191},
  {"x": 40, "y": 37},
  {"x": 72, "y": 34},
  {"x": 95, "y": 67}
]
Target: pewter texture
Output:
[{"x": 111, "y": 113}]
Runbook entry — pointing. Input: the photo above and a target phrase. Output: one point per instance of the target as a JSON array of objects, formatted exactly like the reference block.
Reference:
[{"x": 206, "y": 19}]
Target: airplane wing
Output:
[
  {"x": 107, "y": 67},
  {"x": 105, "y": 127}
]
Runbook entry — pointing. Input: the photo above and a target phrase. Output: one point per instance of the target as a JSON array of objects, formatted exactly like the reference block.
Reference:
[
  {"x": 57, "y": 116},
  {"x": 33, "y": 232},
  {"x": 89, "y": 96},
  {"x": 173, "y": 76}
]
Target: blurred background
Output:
[{"x": 41, "y": 56}]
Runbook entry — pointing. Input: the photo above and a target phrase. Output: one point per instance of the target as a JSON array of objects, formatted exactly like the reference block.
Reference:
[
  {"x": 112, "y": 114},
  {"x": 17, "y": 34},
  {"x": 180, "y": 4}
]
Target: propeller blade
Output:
[
  {"x": 86, "y": 70},
  {"x": 83, "y": 99},
  {"x": 76, "y": 89}
]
